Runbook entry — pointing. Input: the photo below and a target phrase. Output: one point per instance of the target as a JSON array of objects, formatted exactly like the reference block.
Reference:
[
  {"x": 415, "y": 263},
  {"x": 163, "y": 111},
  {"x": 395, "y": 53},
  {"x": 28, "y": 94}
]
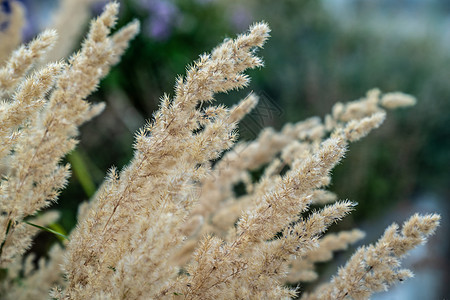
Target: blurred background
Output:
[{"x": 320, "y": 52}]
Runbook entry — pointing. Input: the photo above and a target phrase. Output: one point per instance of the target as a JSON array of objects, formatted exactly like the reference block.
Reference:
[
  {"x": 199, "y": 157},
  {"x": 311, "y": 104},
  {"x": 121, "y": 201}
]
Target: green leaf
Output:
[
  {"x": 81, "y": 172},
  {"x": 58, "y": 228},
  {"x": 59, "y": 234},
  {"x": 6, "y": 236}
]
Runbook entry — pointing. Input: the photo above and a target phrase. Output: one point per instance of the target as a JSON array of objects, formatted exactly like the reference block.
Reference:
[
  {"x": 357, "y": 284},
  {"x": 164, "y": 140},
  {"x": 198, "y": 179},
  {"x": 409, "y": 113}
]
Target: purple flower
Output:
[
  {"x": 36, "y": 15},
  {"x": 240, "y": 18},
  {"x": 98, "y": 6},
  {"x": 163, "y": 16}
]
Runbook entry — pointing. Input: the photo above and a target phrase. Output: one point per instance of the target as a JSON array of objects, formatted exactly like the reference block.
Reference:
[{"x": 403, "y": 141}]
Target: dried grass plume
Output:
[{"x": 170, "y": 224}]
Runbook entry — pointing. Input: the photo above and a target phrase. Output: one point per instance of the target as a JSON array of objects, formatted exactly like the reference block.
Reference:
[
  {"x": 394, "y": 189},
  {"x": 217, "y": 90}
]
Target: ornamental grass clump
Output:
[{"x": 169, "y": 224}]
